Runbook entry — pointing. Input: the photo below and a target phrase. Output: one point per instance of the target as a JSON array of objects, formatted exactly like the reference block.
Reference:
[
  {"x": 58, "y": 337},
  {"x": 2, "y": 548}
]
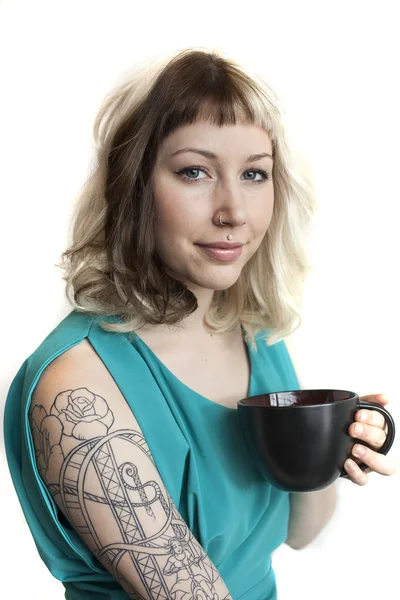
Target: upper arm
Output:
[{"x": 95, "y": 462}]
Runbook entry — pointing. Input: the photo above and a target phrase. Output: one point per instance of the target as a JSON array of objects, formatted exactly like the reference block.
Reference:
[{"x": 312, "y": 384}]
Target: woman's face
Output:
[
  {"x": 188, "y": 205},
  {"x": 177, "y": 548}
]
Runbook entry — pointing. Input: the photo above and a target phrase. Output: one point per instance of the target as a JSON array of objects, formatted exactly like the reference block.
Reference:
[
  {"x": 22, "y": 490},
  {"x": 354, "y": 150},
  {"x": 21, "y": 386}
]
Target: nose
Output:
[{"x": 231, "y": 208}]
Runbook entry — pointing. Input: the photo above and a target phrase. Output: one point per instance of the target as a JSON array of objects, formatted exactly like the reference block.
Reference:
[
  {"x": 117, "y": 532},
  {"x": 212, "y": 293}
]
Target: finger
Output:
[
  {"x": 370, "y": 417},
  {"x": 374, "y": 436},
  {"x": 377, "y": 462},
  {"x": 354, "y": 472},
  {"x": 379, "y": 398}
]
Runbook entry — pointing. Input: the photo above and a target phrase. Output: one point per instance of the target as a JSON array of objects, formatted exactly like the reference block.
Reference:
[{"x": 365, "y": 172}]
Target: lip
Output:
[
  {"x": 224, "y": 245},
  {"x": 226, "y": 253}
]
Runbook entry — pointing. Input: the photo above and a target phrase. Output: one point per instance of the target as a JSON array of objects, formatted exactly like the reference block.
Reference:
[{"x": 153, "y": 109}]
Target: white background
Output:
[{"x": 335, "y": 65}]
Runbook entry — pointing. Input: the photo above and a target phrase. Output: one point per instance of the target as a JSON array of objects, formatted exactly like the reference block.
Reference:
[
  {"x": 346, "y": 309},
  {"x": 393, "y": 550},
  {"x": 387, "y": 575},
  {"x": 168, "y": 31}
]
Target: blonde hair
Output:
[{"x": 111, "y": 267}]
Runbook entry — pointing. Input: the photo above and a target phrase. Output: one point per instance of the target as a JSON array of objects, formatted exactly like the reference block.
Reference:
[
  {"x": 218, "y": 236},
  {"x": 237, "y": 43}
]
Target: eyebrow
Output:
[{"x": 212, "y": 156}]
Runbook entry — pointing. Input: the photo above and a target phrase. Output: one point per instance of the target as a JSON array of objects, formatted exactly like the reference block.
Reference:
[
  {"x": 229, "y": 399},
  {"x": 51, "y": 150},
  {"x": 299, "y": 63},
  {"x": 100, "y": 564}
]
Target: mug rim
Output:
[{"x": 242, "y": 401}]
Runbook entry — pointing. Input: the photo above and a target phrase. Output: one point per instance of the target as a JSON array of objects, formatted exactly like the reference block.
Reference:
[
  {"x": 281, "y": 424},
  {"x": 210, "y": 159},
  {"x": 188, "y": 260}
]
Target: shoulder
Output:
[
  {"x": 73, "y": 346},
  {"x": 77, "y": 372},
  {"x": 79, "y": 356},
  {"x": 74, "y": 328},
  {"x": 71, "y": 330}
]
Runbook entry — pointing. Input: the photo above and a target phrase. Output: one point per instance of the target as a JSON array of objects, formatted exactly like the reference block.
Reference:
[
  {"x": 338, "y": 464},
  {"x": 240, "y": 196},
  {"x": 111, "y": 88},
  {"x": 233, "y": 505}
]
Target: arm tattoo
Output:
[{"x": 92, "y": 471}]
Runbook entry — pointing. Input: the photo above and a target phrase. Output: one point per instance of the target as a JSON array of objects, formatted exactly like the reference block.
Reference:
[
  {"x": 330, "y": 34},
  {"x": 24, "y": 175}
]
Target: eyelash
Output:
[{"x": 266, "y": 174}]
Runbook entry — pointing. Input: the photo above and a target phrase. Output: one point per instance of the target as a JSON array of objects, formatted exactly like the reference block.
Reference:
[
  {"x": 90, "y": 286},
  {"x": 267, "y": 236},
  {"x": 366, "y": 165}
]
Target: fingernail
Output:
[
  {"x": 350, "y": 464},
  {"x": 363, "y": 415},
  {"x": 359, "y": 450},
  {"x": 358, "y": 429}
]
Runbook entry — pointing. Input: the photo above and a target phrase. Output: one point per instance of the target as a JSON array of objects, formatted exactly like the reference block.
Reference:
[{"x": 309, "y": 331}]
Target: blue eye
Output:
[
  {"x": 188, "y": 169},
  {"x": 265, "y": 174}
]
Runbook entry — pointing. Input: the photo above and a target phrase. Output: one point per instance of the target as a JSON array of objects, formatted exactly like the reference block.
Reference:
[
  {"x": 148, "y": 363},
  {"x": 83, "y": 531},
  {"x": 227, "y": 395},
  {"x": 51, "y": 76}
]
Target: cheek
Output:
[
  {"x": 170, "y": 227},
  {"x": 171, "y": 223},
  {"x": 262, "y": 216},
  {"x": 177, "y": 217}
]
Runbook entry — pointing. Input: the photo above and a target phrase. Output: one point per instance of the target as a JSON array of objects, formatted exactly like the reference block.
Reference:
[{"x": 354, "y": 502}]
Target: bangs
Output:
[{"x": 215, "y": 92}]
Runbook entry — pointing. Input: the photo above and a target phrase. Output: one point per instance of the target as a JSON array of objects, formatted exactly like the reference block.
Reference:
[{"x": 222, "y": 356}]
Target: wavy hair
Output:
[{"x": 112, "y": 268}]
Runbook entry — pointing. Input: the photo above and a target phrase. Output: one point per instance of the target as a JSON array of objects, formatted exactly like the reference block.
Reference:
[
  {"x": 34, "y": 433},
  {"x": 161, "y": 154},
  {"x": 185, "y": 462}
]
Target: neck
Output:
[
  {"x": 195, "y": 322},
  {"x": 192, "y": 325}
]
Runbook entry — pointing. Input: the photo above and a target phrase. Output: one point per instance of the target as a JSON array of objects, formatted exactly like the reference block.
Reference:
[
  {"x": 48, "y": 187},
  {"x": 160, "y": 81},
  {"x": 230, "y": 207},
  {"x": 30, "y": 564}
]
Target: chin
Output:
[{"x": 216, "y": 282}]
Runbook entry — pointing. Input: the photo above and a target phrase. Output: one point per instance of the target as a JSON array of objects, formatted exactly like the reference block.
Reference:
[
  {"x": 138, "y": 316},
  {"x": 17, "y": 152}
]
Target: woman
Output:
[{"x": 185, "y": 275}]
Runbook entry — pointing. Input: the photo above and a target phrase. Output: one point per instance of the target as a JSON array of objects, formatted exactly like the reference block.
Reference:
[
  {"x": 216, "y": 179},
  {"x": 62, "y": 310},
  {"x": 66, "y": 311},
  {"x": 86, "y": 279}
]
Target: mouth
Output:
[
  {"x": 222, "y": 251},
  {"x": 223, "y": 245}
]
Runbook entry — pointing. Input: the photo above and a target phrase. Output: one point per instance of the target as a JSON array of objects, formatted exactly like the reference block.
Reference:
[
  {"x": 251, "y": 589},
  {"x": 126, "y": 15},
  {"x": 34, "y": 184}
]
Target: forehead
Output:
[{"x": 227, "y": 141}]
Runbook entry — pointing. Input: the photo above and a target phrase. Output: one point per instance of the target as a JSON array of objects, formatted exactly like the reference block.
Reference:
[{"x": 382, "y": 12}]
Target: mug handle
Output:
[{"x": 390, "y": 434}]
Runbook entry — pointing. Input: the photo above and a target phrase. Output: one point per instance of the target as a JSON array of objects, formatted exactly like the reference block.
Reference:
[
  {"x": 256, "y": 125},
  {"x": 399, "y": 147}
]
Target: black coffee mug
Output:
[{"x": 299, "y": 439}]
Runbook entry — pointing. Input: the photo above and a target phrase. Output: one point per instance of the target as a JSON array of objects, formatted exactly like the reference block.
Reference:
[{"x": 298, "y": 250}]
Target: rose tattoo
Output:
[{"x": 84, "y": 415}]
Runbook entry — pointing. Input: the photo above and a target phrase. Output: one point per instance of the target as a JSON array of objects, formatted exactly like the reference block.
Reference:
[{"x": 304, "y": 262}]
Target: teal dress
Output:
[{"x": 237, "y": 517}]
